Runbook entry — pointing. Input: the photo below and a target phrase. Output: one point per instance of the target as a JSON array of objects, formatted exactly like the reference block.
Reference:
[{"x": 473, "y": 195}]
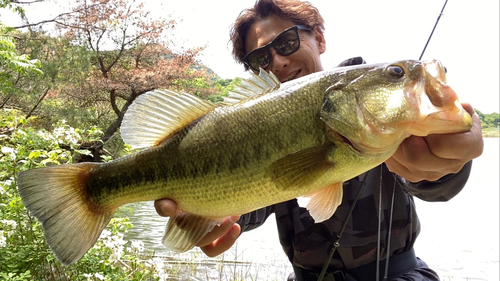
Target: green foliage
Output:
[
  {"x": 490, "y": 124},
  {"x": 24, "y": 254},
  {"x": 213, "y": 90},
  {"x": 491, "y": 120},
  {"x": 12, "y": 6},
  {"x": 64, "y": 67},
  {"x": 11, "y": 63}
]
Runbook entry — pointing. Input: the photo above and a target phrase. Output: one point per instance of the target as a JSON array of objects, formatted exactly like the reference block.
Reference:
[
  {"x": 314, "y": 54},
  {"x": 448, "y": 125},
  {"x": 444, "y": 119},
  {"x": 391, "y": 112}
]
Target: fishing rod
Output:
[
  {"x": 339, "y": 235},
  {"x": 393, "y": 190},
  {"x": 377, "y": 273},
  {"x": 432, "y": 32}
]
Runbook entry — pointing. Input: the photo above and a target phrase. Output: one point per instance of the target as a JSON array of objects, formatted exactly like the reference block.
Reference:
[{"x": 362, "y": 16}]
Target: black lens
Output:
[
  {"x": 287, "y": 43},
  {"x": 259, "y": 58}
]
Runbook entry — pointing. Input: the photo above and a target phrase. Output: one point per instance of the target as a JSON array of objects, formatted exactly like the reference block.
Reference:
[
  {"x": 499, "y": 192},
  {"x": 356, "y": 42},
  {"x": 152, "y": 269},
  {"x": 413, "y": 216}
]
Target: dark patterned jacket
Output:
[{"x": 307, "y": 244}]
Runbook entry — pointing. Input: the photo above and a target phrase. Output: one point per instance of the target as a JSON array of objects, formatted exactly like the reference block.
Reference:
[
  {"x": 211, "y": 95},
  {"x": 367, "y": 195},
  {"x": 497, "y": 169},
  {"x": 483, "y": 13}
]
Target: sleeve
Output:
[
  {"x": 255, "y": 219},
  {"x": 441, "y": 190},
  {"x": 352, "y": 61}
]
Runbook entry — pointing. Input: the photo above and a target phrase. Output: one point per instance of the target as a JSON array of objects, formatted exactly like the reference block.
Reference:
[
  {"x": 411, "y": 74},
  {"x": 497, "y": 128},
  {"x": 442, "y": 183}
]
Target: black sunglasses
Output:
[{"x": 285, "y": 44}]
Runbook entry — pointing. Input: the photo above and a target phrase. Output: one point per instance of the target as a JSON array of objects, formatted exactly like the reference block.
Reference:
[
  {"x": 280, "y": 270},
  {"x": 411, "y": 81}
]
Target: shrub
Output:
[{"x": 24, "y": 254}]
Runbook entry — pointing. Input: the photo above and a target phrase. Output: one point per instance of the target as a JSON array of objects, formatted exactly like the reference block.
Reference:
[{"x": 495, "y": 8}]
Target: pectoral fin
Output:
[
  {"x": 301, "y": 168},
  {"x": 185, "y": 230},
  {"x": 324, "y": 202}
]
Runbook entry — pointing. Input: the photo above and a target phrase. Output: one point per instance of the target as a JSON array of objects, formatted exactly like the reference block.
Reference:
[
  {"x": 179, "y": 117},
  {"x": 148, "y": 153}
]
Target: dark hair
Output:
[{"x": 300, "y": 12}]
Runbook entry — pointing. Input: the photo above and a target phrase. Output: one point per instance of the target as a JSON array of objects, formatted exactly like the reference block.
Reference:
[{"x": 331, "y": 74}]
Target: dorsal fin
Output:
[
  {"x": 157, "y": 114},
  {"x": 256, "y": 85}
]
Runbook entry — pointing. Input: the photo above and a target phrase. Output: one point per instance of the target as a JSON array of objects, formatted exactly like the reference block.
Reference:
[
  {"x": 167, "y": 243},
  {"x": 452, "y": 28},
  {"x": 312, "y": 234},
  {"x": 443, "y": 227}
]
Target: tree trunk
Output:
[{"x": 111, "y": 130}]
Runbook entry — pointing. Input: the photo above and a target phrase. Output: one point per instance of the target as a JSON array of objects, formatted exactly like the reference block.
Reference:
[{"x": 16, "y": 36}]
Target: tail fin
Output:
[{"x": 56, "y": 196}]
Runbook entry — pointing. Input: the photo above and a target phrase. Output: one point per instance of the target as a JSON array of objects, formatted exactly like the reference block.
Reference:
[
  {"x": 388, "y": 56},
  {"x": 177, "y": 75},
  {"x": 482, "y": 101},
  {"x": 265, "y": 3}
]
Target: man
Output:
[{"x": 433, "y": 168}]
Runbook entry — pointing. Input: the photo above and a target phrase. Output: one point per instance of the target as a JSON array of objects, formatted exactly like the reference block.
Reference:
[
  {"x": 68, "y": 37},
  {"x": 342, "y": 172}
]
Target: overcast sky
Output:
[{"x": 466, "y": 39}]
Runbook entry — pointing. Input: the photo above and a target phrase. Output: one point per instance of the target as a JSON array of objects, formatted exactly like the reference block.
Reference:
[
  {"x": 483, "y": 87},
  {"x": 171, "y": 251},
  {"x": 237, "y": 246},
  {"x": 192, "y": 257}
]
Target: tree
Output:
[
  {"x": 12, "y": 65},
  {"x": 124, "y": 55},
  {"x": 491, "y": 120},
  {"x": 15, "y": 5},
  {"x": 129, "y": 55}
]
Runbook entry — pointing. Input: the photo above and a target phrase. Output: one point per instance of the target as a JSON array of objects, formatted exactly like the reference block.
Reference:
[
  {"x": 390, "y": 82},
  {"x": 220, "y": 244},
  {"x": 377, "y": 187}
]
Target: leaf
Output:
[{"x": 34, "y": 154}]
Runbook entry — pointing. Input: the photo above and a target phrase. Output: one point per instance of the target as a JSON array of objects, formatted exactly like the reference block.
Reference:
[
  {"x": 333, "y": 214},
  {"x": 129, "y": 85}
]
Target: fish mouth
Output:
[
  {"x": 292, "y": 76},
  {"x": 345, "y": 140}
]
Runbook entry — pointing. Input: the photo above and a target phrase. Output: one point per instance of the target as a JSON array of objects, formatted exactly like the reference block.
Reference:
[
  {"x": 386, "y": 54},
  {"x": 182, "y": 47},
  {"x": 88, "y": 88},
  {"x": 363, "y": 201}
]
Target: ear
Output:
[{"x": 320, "y": 39}]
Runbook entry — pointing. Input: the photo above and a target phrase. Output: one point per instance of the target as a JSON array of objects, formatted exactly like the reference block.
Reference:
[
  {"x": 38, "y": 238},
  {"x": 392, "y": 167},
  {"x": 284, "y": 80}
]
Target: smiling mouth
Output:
[{"x": 291, "y": 76}]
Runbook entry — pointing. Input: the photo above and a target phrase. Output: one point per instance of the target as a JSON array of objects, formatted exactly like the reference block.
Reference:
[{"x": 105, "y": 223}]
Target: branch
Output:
[
  {"x": 38, "y": 103},
  {"x": 55, "y": 19},
  {"x": 23, "y": 2},
  {"x": 6, "y": 99},
  {"x": 112, "y": 97}
]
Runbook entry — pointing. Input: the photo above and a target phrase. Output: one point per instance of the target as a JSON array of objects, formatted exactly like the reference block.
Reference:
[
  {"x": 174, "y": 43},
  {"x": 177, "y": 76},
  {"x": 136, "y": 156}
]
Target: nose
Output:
[{"x": 278, "y": 62}]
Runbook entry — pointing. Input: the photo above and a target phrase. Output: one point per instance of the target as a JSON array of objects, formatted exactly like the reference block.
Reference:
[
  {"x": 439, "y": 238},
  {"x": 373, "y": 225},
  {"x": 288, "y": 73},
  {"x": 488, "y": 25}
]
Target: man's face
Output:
[{"x": 304, "y": 61}]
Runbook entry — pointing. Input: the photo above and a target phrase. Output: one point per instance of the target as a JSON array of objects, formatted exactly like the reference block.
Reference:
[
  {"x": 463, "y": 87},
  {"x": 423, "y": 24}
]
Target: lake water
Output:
[{"x": 459, "y": 239}]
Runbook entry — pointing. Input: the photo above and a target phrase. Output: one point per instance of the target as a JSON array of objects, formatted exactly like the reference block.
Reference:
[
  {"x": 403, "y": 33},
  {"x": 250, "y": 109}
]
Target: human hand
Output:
[
  {"x": 434, "y": 156},
  {"x": 219, "y": 240}
]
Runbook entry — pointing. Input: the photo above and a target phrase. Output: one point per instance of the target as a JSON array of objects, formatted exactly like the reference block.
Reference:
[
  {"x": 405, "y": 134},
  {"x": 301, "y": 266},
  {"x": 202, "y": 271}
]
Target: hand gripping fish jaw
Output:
[{"x": 411, "y": 98}]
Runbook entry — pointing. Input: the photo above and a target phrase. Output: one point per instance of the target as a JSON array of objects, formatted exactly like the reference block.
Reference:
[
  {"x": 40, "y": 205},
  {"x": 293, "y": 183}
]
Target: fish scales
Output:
[
  {"x": 264, "y": 145},
  {"x": 205, "y": 162}
]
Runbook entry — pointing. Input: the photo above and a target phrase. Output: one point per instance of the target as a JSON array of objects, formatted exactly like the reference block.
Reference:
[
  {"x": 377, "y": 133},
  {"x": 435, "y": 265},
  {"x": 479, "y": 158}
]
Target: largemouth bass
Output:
[{"x": 267, "y": 144}]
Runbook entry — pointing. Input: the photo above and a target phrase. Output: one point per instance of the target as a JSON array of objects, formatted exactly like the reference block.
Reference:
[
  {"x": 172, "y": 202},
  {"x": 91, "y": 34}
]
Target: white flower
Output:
[
  {"x": 115, "y": 256},
  {"x": 3, "y": 240},
  {"x": 7, "y": 182},
  {"x": 104, "y": 234},
  {"x": 6, "y": 149},
  {"x": 9, "y": 150},
  {"x": 137, "y": 245},
  {"x": 99, "y": 276},
  {"x": 115, "y": 244},
  {"x": 159, "y": 267},
  {"x": 10, "y": 225}
]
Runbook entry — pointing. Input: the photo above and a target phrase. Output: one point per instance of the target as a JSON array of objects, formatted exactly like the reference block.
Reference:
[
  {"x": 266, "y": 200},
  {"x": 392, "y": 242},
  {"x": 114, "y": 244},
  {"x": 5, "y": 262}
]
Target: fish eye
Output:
[{"x": 395, "y": 70}]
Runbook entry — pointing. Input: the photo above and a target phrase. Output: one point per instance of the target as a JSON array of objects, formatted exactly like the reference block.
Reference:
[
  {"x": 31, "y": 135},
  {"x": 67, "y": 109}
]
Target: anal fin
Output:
[
  {"x": 324, "y": 202},
  {"x": 185, "y": 230}
]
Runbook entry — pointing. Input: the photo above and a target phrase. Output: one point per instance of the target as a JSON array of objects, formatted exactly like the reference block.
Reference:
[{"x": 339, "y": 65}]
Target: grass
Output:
[{"x": 491, "y": 132}]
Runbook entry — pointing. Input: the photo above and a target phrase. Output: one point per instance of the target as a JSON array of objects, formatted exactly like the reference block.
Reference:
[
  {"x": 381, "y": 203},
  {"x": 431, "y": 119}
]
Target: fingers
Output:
[
  {"x": 416, "y": 174},
  {"x": 165, "y": 207},
  {"x": 218, "y": 231},
  {"x": 415, "y": 161},
  {"x": 461, "y": 146},
  {"x": 221, "y": 238},
  {"x": 468, "y": 107}
]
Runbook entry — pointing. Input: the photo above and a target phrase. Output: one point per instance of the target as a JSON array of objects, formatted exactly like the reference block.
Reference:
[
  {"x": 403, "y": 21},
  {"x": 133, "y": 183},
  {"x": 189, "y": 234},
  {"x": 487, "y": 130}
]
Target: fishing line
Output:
[
  {"x": 337, "y": 242},
  {"x": 342, "y": 228},
  {"x": 390, "y": 231},
  {"x": 377, "y": 273},
  {"x": 432, "y": 32},
  {"x": 394, "y": 188}
]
